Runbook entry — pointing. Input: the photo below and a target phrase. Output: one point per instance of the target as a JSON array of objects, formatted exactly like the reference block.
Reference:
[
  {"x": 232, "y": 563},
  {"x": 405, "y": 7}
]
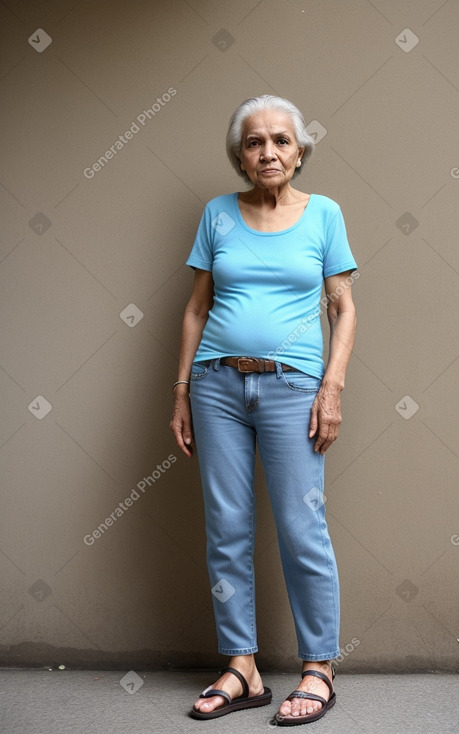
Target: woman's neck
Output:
[{"x": 271, "y": 198}]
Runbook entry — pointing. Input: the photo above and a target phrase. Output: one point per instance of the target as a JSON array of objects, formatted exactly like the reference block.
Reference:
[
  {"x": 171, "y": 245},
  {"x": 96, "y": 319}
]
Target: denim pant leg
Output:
[
  {"x": 294, "y": 474},
  {"x": 225, "y": 444}
]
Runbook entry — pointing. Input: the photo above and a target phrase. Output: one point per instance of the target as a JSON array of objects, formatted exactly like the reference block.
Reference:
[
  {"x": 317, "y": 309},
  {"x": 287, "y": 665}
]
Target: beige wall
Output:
[{"x": 139, "y": 595}]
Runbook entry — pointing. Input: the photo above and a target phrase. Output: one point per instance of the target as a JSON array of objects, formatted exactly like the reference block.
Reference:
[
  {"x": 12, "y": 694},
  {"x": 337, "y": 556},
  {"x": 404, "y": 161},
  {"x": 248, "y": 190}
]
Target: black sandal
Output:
[
  {"x": 240, "y": 702},
  {"x": 326, "y": 705}
]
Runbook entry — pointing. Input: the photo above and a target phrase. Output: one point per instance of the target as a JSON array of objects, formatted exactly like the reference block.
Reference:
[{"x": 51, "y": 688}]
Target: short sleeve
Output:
[
  {"x": 201, "y": 255},
  {"x": 337, "y": 255}
]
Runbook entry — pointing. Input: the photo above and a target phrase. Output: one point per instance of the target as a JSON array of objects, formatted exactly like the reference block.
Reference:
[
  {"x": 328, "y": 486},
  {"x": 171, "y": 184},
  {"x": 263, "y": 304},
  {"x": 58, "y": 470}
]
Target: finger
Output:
[
  {"x": 322, "y": 437},
  {"x": 331, "y": 438},
  {"x": 313, "y": 420},
  {"x": 186, "y": 448},
  {"x": 326, "y": 445},
  {"x": 179, "y": 438},
  {"x": 187, "y": 434},
  {"x": 318, "y": 444}
]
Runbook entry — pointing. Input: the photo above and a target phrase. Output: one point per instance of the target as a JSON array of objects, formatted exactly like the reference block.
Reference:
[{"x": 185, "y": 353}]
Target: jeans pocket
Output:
[
  {"x": 199, "y": 370},
  {"x": 302, "y": 382}
]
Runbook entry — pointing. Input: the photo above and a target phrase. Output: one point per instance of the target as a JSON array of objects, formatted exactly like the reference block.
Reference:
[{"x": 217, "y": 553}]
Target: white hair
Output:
[{"x": 256, "y": 104}]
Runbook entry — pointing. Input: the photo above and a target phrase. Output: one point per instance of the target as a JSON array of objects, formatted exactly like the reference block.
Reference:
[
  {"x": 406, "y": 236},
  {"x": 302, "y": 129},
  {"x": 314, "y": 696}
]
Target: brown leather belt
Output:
[{"x": 254, "y": 364}]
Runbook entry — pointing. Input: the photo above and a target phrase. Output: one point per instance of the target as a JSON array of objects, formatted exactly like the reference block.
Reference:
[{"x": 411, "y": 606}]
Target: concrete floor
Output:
[{"x": 42, "y": 701}]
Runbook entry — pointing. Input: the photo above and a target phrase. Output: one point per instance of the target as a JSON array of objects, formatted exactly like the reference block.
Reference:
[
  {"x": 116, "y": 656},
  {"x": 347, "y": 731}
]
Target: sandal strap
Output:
[
  {"x": 240, "y": 677},
  {"x": 322, "y": 676},
  {"x": 209, "y": 692},
  {"x": 310, "y": 696}
]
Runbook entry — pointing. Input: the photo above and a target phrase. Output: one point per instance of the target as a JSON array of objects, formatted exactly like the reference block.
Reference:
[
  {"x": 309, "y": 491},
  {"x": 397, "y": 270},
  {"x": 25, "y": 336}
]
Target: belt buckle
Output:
[{"x": 244, "y": 364}]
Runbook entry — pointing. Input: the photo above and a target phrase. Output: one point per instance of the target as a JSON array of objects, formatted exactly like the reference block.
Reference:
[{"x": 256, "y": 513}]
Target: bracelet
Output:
[{"x": 180, "y": 382}]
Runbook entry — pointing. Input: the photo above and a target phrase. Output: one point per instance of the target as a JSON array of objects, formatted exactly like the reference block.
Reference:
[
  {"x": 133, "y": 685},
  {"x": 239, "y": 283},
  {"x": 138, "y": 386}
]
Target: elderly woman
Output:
[{"x": 251, "y": 372}]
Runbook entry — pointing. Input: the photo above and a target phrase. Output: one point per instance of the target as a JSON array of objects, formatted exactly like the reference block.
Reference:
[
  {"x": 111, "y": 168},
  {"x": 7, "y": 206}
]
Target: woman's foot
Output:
[
  {"x": 309, "y": 684},
  {"x": 228, "y": 682}
]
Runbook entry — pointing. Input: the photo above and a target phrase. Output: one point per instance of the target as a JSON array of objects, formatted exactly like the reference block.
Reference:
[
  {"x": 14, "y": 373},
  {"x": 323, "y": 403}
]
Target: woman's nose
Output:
[{"x": 268, "y": 151}]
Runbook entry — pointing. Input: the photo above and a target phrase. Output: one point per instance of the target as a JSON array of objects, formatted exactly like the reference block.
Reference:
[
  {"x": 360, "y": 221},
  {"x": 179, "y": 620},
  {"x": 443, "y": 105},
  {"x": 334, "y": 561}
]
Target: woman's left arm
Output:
[{"x": 326, "y": 410}]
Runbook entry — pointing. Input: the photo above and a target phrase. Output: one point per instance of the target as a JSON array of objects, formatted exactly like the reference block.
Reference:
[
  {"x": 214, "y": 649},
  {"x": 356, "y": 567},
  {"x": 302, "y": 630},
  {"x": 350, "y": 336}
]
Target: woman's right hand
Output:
[
  {"x": 194, "y": 320},
  {"x": 180, "y": 424}
]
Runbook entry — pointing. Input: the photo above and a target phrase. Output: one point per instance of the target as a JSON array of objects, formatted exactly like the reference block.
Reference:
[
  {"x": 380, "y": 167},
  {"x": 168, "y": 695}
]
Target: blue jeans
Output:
[{"x": 231, "y": 411}]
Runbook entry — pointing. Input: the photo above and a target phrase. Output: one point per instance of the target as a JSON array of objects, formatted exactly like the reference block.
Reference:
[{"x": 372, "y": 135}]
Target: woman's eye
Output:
[
  {"x": 253, "y": 143},
  {"x": 282, "y": 141}
]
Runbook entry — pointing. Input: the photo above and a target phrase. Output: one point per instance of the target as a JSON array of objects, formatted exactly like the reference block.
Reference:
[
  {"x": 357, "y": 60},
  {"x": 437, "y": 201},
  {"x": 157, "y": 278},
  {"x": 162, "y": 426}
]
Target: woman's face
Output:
[{"x": 269, "y": 149}]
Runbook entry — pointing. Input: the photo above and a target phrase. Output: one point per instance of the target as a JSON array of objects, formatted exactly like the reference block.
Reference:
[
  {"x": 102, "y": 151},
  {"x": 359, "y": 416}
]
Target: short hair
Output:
[{"x": 256, "y": 104}]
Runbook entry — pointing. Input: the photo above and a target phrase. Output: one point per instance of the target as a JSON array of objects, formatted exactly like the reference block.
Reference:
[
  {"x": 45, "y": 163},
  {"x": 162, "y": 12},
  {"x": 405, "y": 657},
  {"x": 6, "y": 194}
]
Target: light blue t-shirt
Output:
[{"x": 268, "y": 284}]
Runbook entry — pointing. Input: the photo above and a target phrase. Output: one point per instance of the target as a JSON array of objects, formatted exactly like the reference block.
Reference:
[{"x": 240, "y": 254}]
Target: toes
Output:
[
  {"x": 296, "y": 707},
  {"x": 299, "y": 707},
  {"x": 209, "y": 705},
  {"x": 306, "y": 707},
  {"x": 285, "y": 709},
  {"x": 310, "y": 708}
]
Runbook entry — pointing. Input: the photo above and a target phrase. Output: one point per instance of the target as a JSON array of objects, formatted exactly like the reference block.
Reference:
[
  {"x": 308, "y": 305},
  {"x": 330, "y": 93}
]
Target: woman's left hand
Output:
[{"x": 325, "y": 417}]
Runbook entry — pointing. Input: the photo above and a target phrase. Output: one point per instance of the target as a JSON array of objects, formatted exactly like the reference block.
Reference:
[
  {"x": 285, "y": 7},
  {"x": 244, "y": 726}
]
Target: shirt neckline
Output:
[{"x": 268, "y": 234}]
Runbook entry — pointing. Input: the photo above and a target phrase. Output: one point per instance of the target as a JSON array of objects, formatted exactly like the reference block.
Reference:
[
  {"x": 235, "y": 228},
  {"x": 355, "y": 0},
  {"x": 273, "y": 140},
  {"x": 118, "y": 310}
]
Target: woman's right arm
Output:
[{"x": 194, "y": 320}]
